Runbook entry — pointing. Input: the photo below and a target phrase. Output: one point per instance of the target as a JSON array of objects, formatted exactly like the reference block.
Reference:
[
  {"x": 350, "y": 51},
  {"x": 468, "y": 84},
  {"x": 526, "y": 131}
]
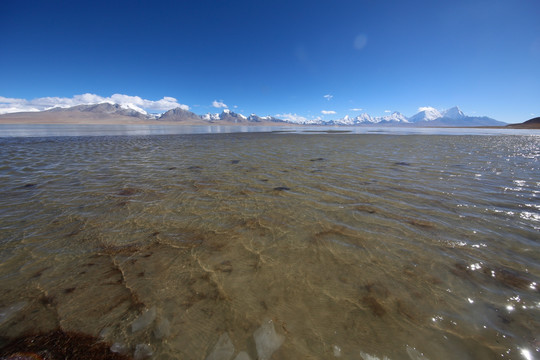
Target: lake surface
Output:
[{"x": 275, "y": 245}]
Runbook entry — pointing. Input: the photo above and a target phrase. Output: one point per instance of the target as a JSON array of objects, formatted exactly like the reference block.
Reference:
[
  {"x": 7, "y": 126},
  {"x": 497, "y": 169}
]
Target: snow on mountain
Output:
[
  {"x": 395, "y": 117},
  {"x": 426, "y": 114},
  {"x": 453, "y": 113},
  {"x": 364, "y": 118},
  {"x": 129, "y": 106}
]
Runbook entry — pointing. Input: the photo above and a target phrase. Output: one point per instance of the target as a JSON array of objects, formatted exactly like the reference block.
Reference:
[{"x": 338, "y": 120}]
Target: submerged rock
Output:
[
  {"x": 58, "y": 344},
  {"x": 267, "y": 340},
  {"x": 8, "y": 312},
  {"x": 119, "y": 348},
  {"x": 143, "y": 351},
  {"x": 242, "y": 355},
  {"x": 144, "y": 320},
  {"x": 163, "y": 329},
  {"x": 223, "y": 350},
  {"x": 128, "y": 192}
]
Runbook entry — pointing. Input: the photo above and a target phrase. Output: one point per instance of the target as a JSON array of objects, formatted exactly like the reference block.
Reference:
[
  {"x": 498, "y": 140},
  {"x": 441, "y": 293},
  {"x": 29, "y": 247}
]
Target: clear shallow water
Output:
[{"x": 406, "y": 247}]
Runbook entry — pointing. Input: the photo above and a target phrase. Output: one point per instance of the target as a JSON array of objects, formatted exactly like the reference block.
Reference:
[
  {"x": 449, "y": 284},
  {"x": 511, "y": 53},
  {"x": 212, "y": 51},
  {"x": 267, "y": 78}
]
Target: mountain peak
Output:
[
  {"x": 453, "y": 113},
  {"x": 426, "y": 113}
]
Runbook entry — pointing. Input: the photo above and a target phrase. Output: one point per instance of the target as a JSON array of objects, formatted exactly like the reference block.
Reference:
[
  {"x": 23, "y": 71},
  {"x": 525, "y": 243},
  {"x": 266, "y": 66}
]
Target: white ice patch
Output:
[
  {"x": 223, "y": 350},
  {"x": 267, "y": 340}
]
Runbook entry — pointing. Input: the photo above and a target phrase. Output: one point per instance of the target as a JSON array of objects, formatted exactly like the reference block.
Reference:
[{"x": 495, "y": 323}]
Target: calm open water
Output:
[{"x": 275, "y": 245}]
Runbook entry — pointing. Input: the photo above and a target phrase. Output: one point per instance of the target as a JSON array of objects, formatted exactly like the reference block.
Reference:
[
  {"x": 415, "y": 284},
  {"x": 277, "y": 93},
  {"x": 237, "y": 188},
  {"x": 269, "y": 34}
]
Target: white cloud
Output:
[
  {"x": 387, "y": 111},
  {"x": 328, "y": 112},
  {"x": 291, "y": 117},
  {"x": 9, "y": 105},
  {"x": 219, "y": 104},
  {"x": 360, "y": 41},
  {"x": 426, "y": 108},
  {"x": 356, "y": 109},
  {"x": 328, "y": 96}
]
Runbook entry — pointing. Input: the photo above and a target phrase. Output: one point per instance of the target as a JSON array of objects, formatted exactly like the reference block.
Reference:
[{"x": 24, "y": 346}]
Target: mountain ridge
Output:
[{"x": 106, "y": 111}]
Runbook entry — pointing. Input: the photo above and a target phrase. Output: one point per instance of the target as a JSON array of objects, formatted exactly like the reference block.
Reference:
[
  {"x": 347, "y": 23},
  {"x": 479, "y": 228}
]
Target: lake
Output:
[{"x": 287, "y": 244}]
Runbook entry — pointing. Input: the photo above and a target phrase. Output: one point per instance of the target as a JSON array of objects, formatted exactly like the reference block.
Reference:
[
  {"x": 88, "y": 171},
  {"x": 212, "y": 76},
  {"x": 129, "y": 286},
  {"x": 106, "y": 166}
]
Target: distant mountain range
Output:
[
  {"x": 226, "y": 116},
  {"x": 427, "y": 116}
]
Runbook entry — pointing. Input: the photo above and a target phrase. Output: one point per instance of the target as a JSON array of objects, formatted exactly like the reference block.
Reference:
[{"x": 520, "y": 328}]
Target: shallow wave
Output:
[{"x": 353, "y": 245}]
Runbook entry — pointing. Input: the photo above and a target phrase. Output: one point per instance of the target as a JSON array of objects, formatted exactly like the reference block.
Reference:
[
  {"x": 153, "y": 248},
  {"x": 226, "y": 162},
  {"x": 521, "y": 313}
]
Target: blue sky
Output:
[{"x": 279, "y": 57}]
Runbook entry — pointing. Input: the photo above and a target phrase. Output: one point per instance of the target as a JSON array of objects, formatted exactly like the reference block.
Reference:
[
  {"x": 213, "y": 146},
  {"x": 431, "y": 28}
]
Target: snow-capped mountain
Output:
[
  {"x": 366, "y": 119},
  {"x": 226, "y": 116},
  {"x": 105, "y": 108},
  {"x": 426, "y": 114},
  {"x": 395, "y": 117},
  {"x": 429, "y": 116},
  {"x": 453, "y": 113}
]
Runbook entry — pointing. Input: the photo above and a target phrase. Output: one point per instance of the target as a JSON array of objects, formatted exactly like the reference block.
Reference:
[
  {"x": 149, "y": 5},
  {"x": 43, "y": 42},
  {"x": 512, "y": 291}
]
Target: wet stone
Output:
[
  {"x": 267, "y": 340},
  {"x": 163, "y": 329},
  {"x": 225, "y": 266},
  {"x": 223, "y": 350},
  {"x": 364, "y": 208},
  {"x": 59, "y": 344},
  {"x": 242, "y": 355},
  {"x": 373, "y": 305},
  {"x": 402, "y": 163},
  {"x": 235, "y": 161},
  {"x": 281, "y": 188},
  {"x": 143, "y": 351},
  {"x": 128, "y": 192},
  {"x": 119, "y": 348},
  {"x": 318, "y": 159},
  {"x": 144, "y": 320}
]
